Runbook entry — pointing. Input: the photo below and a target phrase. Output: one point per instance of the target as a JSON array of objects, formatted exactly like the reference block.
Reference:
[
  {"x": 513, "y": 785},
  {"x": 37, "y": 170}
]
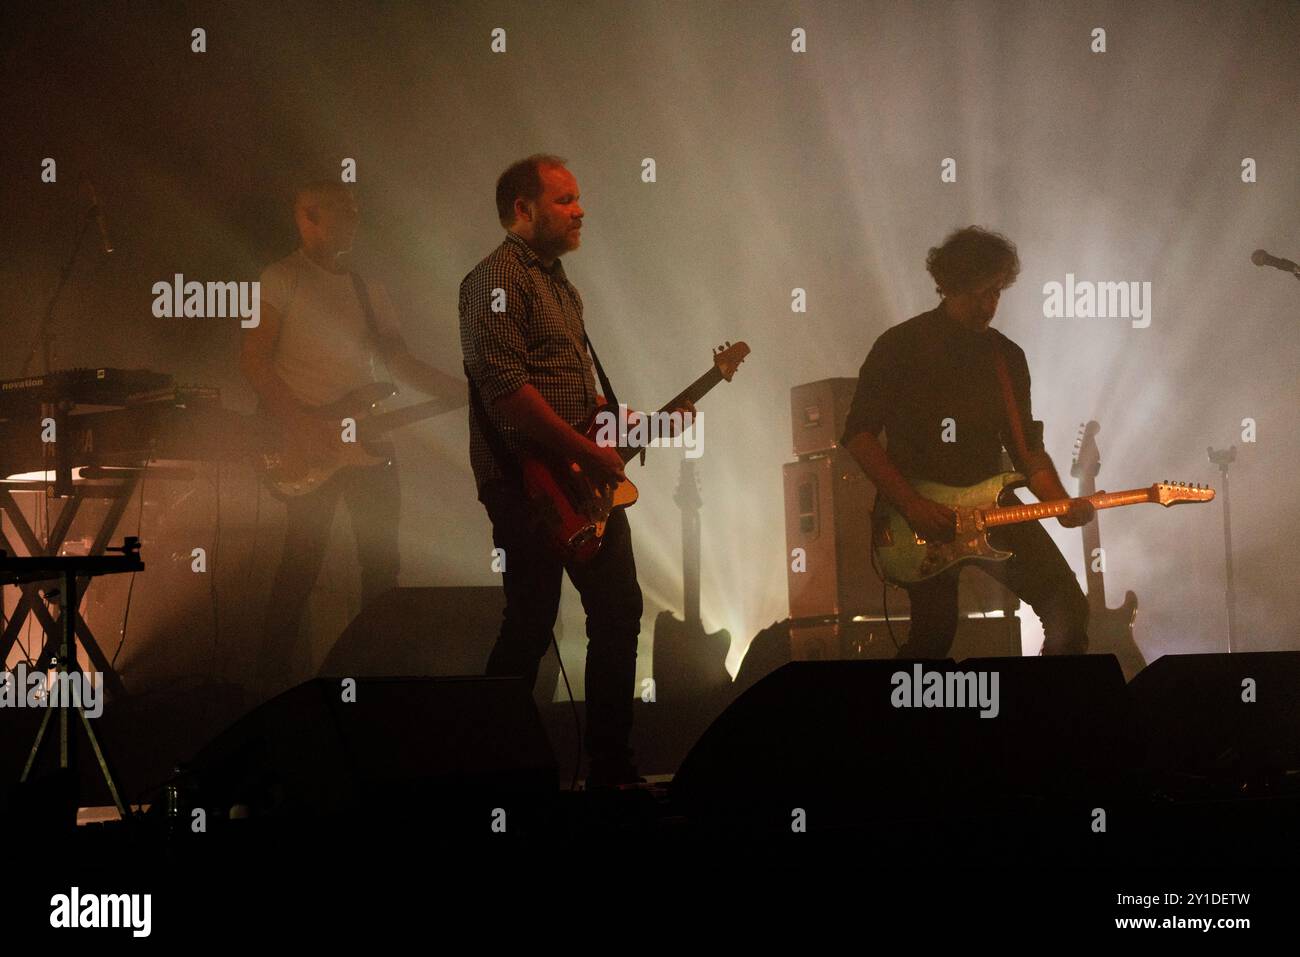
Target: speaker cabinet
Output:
[
  {"x": 391, "y": 745},
  {"x": 818, "y": 411},
  {"x": 828, "y": 517}
]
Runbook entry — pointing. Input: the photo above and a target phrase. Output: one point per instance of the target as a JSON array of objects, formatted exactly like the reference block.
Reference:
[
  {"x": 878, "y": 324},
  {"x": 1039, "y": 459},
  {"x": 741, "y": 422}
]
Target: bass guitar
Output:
[
  {"x": 573, "y": 510},
  {"x": 1110, "y": 630},
  {"x": 904, "y": 557},
  {"x": 288, "y": 473}
]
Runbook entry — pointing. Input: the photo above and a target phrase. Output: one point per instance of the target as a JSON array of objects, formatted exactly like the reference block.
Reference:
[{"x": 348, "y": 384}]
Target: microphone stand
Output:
[
  {"x": 42, "y": 339},
  {"x": 1223, "y": 458}
]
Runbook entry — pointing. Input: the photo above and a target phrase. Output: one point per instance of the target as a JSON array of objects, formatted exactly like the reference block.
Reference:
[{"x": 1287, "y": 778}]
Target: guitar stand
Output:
[
  {"x": 71, "y": 569},
  {"x": 1223, "y": 458}
]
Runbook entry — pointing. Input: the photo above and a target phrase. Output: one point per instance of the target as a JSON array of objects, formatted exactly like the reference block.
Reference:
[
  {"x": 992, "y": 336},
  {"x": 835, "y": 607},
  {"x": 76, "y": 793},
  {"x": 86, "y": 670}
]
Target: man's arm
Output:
[
  {"x": 1046, "y": 485},
  {"x": 419, "y": 375},
  {"x": 930, "y": 519},
  {"x": 889, "y": 482},
  {"x": 1036, "y": 464},
  {"x": 531, "y": 414},
  {"x": 498, "y": 366},
  {"x": 872, "y": 401}
]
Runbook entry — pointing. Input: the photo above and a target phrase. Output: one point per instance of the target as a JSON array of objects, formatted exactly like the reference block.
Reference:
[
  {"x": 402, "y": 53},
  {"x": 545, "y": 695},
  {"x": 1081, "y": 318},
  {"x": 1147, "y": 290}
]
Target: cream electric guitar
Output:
[
  {"x": 904, "y": 557},
  {"x": 288, "y": 474}
]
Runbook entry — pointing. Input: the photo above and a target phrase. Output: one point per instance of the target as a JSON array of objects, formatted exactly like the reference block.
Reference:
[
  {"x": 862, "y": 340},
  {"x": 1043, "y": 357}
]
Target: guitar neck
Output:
[
  {"x": 696, "y": 390},
  {"x": 693, "y": 393},
  {"x": 387, "y": 421},
  {"x": 1013, "y": 514}
]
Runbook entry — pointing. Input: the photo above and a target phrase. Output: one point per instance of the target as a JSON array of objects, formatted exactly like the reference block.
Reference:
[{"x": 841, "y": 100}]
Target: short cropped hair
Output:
[
  {"x": 523, "y": 180},
  {"x": 970, "y": 257}
]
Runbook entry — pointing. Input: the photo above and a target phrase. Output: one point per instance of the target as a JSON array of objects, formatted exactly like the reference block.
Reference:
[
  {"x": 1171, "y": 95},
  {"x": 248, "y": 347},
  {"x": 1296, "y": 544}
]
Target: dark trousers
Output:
[
  {"x": 610, "y": 596},
  {"x": 1037, "y": 573},
  {"x": 373, "y": 499}
]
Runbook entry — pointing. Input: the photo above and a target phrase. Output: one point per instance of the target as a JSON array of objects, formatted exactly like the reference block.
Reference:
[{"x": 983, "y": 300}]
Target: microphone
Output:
[
  {"x": 97, "y": 211},
  {"x": 1261, "y": 258}
]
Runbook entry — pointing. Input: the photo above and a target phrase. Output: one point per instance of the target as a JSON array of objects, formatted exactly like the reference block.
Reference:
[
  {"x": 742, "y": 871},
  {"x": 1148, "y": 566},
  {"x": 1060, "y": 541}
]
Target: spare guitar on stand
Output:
[
  {"x": 687, "y": 661},
  {"x": 1110, "y": 630}
]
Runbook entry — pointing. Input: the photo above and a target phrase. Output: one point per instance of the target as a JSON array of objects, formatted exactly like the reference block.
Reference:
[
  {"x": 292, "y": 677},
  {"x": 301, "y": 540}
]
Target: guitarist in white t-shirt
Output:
[{"x": 325, "y": 333}]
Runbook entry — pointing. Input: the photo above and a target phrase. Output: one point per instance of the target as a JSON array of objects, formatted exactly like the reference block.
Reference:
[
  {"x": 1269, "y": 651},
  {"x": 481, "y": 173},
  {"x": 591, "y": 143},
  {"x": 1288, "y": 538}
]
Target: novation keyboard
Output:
[{"x": 82, "y": 387}]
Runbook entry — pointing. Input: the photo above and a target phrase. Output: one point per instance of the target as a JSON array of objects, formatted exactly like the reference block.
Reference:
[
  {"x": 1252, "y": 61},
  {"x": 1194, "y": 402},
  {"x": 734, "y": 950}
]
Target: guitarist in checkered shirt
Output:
[{"x": 525, "y": 349}]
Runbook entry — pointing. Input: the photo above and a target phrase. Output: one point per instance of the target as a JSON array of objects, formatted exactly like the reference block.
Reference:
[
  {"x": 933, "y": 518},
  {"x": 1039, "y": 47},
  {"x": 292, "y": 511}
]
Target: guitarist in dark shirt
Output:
[{"x": 932, "y": 384}]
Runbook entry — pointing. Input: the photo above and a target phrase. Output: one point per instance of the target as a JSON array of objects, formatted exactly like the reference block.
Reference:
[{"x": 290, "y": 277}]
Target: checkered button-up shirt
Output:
[{"x": 538, "y": 337}]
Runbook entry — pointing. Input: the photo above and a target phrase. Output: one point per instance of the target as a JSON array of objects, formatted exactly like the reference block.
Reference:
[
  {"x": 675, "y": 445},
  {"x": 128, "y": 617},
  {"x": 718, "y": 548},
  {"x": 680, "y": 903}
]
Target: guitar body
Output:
[
  {"x": 686, "y": 656},
  {"x": 1110, "y": 632},
  {"x": 572, "y": 510},
  {"x": 288, "y": 474},
  {"x": 904, "y": 558}
]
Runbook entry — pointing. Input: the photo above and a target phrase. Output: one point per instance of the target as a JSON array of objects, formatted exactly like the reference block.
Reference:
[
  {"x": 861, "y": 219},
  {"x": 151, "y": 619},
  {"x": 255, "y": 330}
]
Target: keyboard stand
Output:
[{"x": 118, "y": 490}]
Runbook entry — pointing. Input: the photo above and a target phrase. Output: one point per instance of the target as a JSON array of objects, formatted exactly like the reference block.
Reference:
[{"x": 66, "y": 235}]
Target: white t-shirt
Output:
[{"x": 325, "y": 349}]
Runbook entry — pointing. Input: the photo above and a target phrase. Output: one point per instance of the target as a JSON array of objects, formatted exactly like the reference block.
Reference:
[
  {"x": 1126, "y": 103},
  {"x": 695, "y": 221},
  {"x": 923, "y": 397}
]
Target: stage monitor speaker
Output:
[
  {"x": 829, "y": 737},
  {"x": 394, "y": 747},
  {"x": 818, "y": 411},
  {"x": 1222, "y": 724},
  {"x": 429, "y": 631},
  {"x": 828, "y": 503}
]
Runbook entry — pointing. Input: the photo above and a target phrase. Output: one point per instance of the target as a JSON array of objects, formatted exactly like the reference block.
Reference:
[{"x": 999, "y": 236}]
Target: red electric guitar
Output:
[{"x": 573, "y": 509}]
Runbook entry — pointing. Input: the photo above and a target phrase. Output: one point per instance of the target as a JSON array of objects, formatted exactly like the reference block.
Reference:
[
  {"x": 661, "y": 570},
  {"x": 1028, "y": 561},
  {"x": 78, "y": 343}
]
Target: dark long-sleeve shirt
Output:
[{"x": 930, "y": 369}]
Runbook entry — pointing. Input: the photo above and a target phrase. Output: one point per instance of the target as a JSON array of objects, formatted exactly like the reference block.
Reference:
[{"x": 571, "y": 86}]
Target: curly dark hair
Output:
[
  {"x": 970, "y": 257},
  {"x": 523, "y": 180}
]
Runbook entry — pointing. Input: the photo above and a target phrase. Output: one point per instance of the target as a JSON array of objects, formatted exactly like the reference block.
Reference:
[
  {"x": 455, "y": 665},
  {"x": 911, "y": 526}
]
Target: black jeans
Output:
[
  {"x": 1037, "y": 573},
  {"x": 373, "y": 498},
  {"x": 610, "y": 596}
]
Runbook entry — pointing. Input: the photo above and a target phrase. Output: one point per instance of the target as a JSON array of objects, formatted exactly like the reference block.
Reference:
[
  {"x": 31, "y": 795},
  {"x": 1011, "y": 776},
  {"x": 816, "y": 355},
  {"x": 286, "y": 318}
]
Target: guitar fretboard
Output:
[
  {"x": 1012, "y": 514},
  {"x": 693, "y": 392}
]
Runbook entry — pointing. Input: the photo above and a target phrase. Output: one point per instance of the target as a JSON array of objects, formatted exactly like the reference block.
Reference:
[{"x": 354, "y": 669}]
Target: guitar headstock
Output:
[
  {"x": 688, "y": 487},
  {"x": 1087, "y": 459},
  {"x": 1179, "y": 493},
  {"x": 728, "y": 358}
]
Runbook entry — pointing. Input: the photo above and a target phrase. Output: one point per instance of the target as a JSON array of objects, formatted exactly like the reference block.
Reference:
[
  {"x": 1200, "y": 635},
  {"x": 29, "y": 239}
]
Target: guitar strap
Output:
[
  {"x": 363, "y": 296},
  {"x": 600, "y": 372},
  {"x": 608, "y": 389}
]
